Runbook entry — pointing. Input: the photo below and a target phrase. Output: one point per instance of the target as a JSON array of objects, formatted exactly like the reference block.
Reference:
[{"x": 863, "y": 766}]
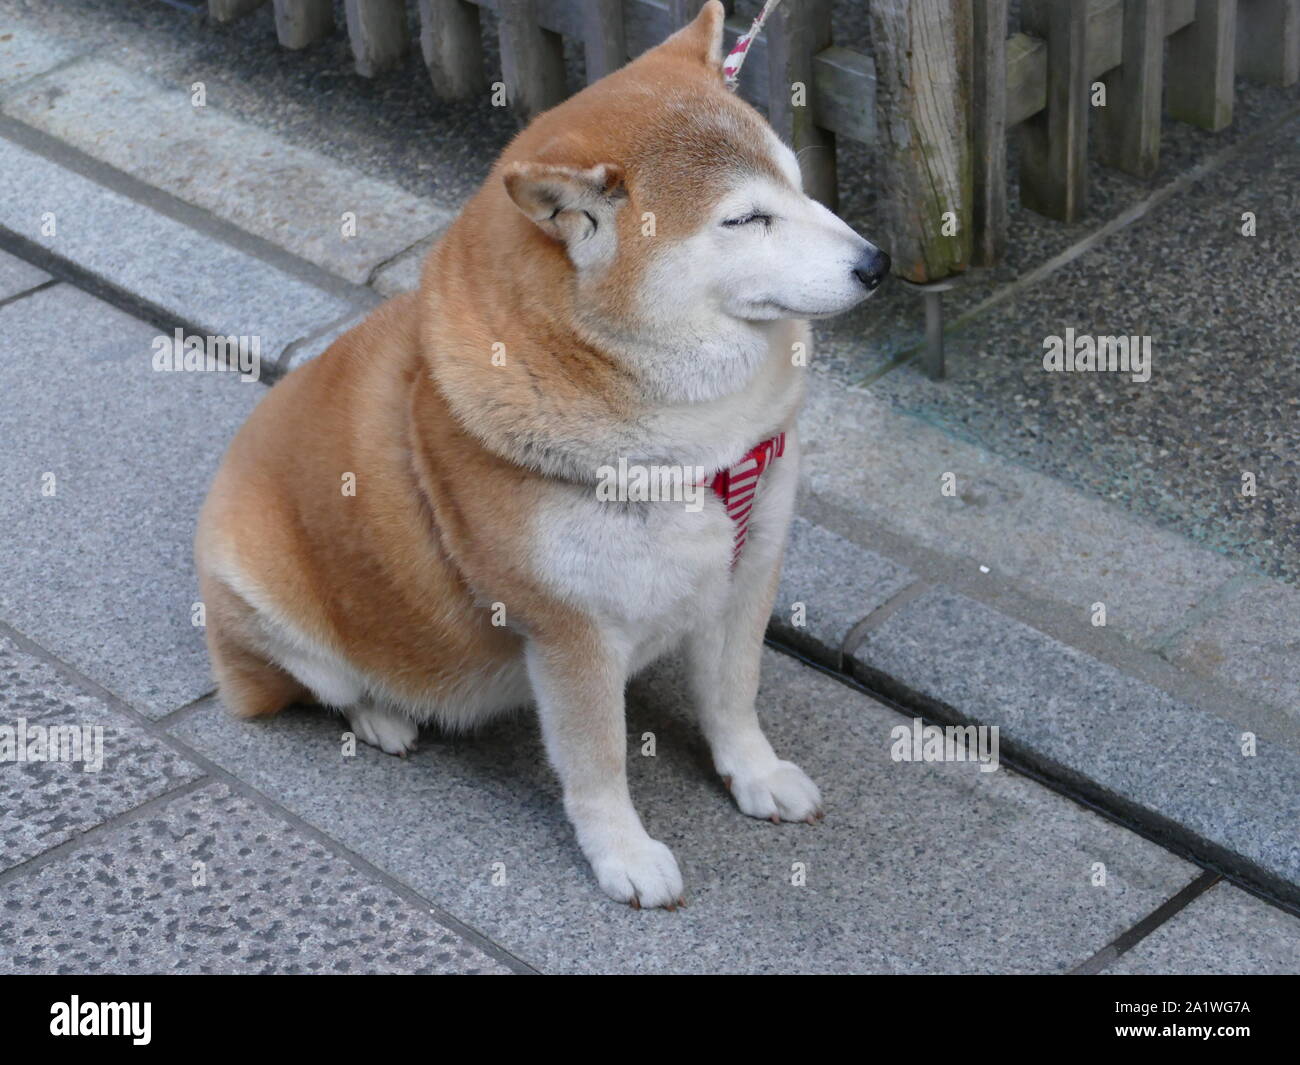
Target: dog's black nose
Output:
[{"x": 872, "y": 268}]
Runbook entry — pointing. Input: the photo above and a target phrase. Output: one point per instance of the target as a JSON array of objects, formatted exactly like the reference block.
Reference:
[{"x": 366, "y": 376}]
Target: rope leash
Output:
[{"x": 736, "y": 57}]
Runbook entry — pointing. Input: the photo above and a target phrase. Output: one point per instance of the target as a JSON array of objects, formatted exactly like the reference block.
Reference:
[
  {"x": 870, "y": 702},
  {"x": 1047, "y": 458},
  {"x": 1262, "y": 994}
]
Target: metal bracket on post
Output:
[{"x": 931, "y": 295}]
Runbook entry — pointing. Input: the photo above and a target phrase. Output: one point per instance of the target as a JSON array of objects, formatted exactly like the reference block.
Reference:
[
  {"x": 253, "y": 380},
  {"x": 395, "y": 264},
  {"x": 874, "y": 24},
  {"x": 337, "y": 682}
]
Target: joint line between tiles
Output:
[
  {"x": 95, "y": 832},
  {"x": 857, "y": 635},
  {"x": 1131, "y": 937}
]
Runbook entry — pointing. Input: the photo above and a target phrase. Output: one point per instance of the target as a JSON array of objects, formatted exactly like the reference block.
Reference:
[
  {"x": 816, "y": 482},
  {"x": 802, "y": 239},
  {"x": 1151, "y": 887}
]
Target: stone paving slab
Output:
[
  {"x": 917, "y": 868},
  {"x": 209, "y": 158},
  {"x": 1252, "y": 642},
  {"x": 1087, "y": 720},
  {"x": 186, "y": 273},
  {"x": 1224, "y": 932},
  {"x": 268, "y": 900},
  {"x": 307, "y": 349},
  {"x": 25, "y": 51},
  {"x": 1058, "y": 545},
  {"x": 17, "y": 276},
  {"x": 45, "y": 802},
  {"x": 837, "y": 582},
  {"x": 403, "y": 273},
  {"x": 100, "y": 572}
]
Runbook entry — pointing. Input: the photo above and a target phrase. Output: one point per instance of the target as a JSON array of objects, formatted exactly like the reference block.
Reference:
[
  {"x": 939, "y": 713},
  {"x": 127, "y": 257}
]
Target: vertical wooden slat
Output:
[
  {"x": 379, "y": 34},
  {"x": 299, "y": 23},
  {"x": 451, "y": 41},
  {"x": 1268, "y": 40},
  {"x": 532, "y": 59},
  {"x": 1200, "y": 64},
  {"x": 1054, "y": 142},
  {"x": 681, "y": 12},
  {"x": 604, "y": 43},
  {"x": 229, "y": 10},
  {"x": 1128, "y": 127},
  {"x": 989, "y": 130},
  {"x": 794, "y": 35},
  {"x": 922, "y": 52}
]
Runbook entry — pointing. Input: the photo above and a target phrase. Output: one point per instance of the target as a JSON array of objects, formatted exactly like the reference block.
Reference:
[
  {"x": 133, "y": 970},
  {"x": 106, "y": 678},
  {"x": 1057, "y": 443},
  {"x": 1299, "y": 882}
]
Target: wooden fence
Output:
[{"x": 939, "y": 96}]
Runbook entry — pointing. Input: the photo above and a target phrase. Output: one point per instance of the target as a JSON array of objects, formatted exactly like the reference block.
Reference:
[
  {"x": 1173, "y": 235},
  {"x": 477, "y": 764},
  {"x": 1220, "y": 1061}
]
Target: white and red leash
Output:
[{"x": 736, "y": 57}]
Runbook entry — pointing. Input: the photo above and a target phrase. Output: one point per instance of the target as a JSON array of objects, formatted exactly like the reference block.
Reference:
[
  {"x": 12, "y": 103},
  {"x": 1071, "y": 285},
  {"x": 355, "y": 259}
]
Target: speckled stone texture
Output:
[
  {"x": 308, "y": 349},
  {"x": 885, "y": 470},
  {"x": 192, "y": 276},
  {"x": 26, "y": 50},
  {"x": 1069, "y": 710},
  {"x": 1224, "y": 316},
  {"x": 271, "y": 901},
  {"x": 206, "y": 157},
  {"x": 403, "y": 273},
  {"x": 101, "y": 572},
  {"x": 917, "y": 867},
  {"x": 1224, "y": 932},
  {"x": 45, "y": 803},
  {"x": 17, "y": 276},
  {"x": 1252, "y": 642},
  {"x": 838, "y": 583}
]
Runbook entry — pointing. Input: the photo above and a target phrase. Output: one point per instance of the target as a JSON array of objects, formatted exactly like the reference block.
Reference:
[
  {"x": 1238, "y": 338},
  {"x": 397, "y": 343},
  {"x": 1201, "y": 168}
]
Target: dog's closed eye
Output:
[{"x": 747, "y": 219}]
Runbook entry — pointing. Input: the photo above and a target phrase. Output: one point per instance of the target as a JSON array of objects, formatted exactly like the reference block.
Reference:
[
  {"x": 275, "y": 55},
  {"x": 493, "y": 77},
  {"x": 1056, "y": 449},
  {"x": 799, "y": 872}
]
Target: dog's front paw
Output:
[
  {"x": 642, "y": 872},
  {"x": 780, "y": 791}
]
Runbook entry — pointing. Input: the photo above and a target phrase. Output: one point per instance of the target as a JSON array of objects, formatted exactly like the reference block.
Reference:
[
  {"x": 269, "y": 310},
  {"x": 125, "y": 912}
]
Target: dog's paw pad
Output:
[
  {"x": 392, "y": 733},
  {"x": 782, "y": 792},
  {"x": 642, "y": 873}
]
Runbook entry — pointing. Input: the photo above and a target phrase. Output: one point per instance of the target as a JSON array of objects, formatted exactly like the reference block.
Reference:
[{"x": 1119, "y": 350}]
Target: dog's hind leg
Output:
[
  {"x": 250, "y": 685},
  {"x": 392, "y": 732}
]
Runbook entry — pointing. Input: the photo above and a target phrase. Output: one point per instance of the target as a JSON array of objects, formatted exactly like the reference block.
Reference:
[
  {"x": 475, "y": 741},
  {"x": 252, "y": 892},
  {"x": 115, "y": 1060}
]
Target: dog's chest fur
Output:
[{"x": 653, "y": 572}]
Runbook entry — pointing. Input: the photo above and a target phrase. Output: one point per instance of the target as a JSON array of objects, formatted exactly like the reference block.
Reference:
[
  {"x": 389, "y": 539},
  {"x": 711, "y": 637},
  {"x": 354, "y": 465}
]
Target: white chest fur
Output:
[{"x": 651, "y": 570}]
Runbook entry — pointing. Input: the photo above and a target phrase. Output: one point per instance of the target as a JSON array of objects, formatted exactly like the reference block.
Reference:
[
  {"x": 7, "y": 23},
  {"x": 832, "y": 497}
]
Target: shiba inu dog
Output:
[{"x": 409, "y": 529}]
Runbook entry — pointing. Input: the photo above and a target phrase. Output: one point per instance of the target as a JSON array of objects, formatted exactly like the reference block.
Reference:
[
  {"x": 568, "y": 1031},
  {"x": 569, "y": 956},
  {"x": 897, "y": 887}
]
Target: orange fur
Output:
[{"x": 399, "y": 579}]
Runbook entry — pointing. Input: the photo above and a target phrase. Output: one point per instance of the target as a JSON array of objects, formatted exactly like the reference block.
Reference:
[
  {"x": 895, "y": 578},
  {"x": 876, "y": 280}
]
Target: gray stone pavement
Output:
[
  {"x": 1223, "y": 313},
  {"x": 105, "y": 465},
  {"x": 205, "y": 844},
  {"x": 917, "y": 868},
  {"x": 927, "y": 867},
  {"x": 1224, "y": 931}
]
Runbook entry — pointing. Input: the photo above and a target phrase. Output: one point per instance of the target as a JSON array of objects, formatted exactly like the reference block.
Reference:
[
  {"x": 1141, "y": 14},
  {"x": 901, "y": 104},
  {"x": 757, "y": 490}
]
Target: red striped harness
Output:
[{"x": 736, "y": 486}]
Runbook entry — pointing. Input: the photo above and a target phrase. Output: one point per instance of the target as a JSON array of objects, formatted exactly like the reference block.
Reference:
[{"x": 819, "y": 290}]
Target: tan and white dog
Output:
[{"x": 410, "y": 529}]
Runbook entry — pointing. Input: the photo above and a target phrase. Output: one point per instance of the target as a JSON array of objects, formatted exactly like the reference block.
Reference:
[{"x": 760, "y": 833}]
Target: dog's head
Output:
[{"x": 678, "y": 212}]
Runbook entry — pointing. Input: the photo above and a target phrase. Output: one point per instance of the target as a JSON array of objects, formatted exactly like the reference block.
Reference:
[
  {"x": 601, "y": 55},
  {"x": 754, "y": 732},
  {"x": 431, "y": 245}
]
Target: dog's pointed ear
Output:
[
  {"x": 571, "y": 205},
  {"x": 701, "y": 39}
]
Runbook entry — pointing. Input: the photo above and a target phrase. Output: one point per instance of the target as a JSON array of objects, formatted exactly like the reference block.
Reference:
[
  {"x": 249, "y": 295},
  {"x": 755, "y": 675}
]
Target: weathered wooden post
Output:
[
  {"x": 988, "y": 106},
  {"x": 1199, "y": 68},
  {"x": 1268, "y": 40},
  {"x": 532, "y": 59},
  {"x": 299, "y": 23},
  {"x": 379, "y": 34},
  {"x": 1128, "y": 127},
  {"x": 1054, "y": 142},
  {"x": 922, "y": 50},
  {"x": 796, "y": 32},
  {"x": 604, "y": 40},
  {"x": 923, "y": 57},
  {"x": 452, "y": 47}
]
